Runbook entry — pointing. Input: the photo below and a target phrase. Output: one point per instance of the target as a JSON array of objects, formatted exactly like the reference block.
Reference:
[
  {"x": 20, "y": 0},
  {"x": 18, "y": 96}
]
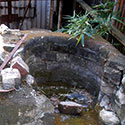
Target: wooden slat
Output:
[
  {"x": 121, "y": 13},
  {"x": 115, "y": 32},
  {"x": 51, "y": 15},
  {"x": 9, "y": 18},
  {"x": 117, "y": 9},
  {"x": 60, "y": 14}
]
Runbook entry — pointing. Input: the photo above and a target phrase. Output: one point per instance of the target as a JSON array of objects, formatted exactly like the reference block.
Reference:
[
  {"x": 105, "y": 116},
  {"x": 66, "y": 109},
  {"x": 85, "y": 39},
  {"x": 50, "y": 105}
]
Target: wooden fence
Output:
[{"x": 120, "y": 8}]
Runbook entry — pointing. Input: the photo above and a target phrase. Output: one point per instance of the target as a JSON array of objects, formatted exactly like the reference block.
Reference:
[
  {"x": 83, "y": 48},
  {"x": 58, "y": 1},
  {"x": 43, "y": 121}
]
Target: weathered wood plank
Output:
[
  {"x": 115, "y": 32},
  {"x": 60, "y": 14}
]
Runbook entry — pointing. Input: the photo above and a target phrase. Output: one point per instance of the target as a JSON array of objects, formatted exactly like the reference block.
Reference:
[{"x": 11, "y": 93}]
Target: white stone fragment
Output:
[
  {"x": 109, "y": 117},
  {"x": 10, "y": 78},
  {"x": 3, "y": 29}
]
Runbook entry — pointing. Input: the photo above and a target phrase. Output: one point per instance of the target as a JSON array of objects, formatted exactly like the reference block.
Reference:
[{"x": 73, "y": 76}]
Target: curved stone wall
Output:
[{"x": 97, "y": 67}]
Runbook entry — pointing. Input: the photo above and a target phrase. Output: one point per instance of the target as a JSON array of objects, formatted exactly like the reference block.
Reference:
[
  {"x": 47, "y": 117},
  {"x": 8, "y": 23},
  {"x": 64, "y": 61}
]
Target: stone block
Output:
[
  {"x": 109, "y": 117},
  {"x": 19, "y": 64},
  {"x": 112, "y": 76},
  {"x": 11, "y": 78},
  {"x": 107, "y": 88},
  {"x": 70, "y": 107},
  {"x": 120, "y": 96}
]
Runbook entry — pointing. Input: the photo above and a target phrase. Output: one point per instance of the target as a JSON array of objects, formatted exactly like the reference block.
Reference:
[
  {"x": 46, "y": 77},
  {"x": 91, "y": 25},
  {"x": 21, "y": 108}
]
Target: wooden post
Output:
[
  {"x": 51, "y": 15},
  {"x": 60, "y": 14}
]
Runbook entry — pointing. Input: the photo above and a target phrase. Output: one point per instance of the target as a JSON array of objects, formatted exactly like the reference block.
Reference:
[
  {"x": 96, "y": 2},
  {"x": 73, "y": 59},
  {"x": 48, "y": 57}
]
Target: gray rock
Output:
[
  {"x": 70, "y": 107},
  {"x": 105, "y": 102},
  {"x": 109, "y": 118},
  {"x": 120, "y": 110},
  {"x": 123, "y": 82},
  {"x": 107, "y": 89},
  {"x": 120, "y": 96},
  {"x": 30, "y": 80},
  {"x": 25, "y": 107},
  {"x": 11, "y": 78},
  {"x": 2, "y": 56},
  {"x": 9, "y": 47},
  {"x": 18, "y": 52}
]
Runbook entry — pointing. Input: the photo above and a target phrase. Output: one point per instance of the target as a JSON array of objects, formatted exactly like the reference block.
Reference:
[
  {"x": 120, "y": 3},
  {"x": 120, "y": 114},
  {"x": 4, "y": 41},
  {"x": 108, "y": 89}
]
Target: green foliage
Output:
[
  {"x": 78, "y": 26},
  {"x": 101, "y": 24}
]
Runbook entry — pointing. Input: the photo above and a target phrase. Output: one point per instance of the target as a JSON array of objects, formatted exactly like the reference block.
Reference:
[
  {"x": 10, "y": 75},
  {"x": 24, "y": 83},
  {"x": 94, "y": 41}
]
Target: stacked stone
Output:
[
  {"x": 112, "y": 91},
  {"x": 11, "y": 77}
]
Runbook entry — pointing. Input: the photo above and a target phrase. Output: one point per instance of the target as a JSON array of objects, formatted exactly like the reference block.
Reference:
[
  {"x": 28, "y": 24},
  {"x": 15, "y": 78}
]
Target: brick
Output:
[{"x": 19, "y": 64}]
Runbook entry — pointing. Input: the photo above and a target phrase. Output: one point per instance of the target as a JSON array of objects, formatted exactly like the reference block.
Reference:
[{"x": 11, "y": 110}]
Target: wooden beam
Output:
[
  {"x": 60, "y": 14},
  {"x": 51, "y": 15},
  {"x": 7, "y": 0},
  {"x": 25, "y": 12},
  {"x": 115, "y": 32}
]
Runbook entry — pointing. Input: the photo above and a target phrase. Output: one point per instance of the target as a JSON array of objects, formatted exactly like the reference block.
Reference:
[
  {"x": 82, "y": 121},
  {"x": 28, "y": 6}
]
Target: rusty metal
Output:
[
  {"x": 6, "y": 91},
  {"x": 12, "y": 53},
  {"x": 25, "y": 12}
]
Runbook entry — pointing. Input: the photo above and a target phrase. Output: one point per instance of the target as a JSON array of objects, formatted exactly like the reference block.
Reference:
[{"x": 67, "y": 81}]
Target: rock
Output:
[
  {"x": 3, "y": 29},
  {"x": 18, "y": 52},
  {"x": 70, "y": 107},
  {"x": 30, "y": 80},
  {"x": 11, "y": 78},
  {"x": 26, "y": 107},
  {"x": 107, "y": 90},
  {"x": 123, "y": 82},
  {"x": 9, "y": 47},
  {"x": 104, "y": 101},
  {"x": 2, "y": 54},
  {"x": 121, "y": 96},
  {"x": 120, "y": 110},
  {"x": 109, "y": 117},
  {"x": 19, "y": 64},
  {"x": 123, "y": 79}
]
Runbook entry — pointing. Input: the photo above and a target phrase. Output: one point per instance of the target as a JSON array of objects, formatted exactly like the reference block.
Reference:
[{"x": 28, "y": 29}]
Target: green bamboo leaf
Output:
[
  {"x": 118, "y": 20},
  {"x": 88, "y": 34},
  {"x": 78, "y": 41}
]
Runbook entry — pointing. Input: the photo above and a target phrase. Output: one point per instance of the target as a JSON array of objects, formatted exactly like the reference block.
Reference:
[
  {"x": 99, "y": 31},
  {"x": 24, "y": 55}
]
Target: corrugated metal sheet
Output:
[{"x": 37, "y": 15}]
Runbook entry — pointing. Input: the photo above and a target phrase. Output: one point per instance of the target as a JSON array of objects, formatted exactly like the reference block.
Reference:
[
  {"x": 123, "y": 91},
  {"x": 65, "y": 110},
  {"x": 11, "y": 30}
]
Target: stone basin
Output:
[
  {"x": 98, "y": 67},
  {"x": 52, "y": 57}
]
